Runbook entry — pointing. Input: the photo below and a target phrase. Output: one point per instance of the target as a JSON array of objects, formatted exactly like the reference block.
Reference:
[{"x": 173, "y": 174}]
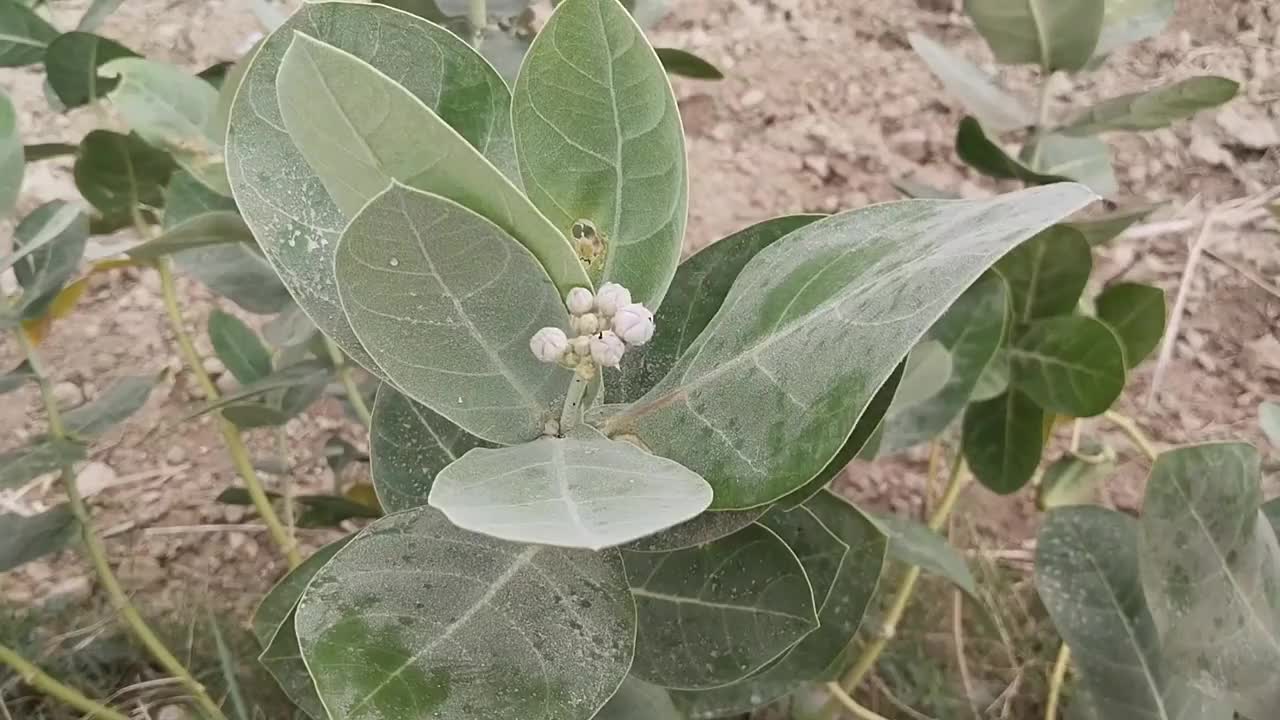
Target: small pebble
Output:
[{"x": 68, "y": 395}]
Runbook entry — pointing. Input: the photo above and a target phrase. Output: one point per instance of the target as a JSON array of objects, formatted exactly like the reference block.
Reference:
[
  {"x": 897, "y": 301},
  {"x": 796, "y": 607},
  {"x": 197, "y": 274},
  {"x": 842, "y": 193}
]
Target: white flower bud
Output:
[
  {"x": 607, "y": 349},
  {"x": 587, "y": 324},
  {"x": 581, "y": 346},
  {"x": 634, "y": 324},
  {"x": 549, "y": 344},
  {"x": 611, "y": 297},
  {"x": 579, "y": 301}
]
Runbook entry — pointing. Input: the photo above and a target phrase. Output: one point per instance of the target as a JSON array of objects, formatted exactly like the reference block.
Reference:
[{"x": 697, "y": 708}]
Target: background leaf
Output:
[
  {"x": 238, "y": 347},
  {"x": 97, "y": 13},
  {"x": 23, "y": 34},
  {"x": 1101, "y": 229},
  {"x": 599, "y": 138},
  {"x": 438, "y": 317},
  {"x": 638, "y": 700},
  {"x": 1047, "y": 274},
  {"x": 583, "y": 491},
  {"x": 24, "y": 538},
  {"x": 743, "y": 600},
  {"x": 913, "y": 543},
  {"x": 1002, "y": 439},
  {"x": 120, "y": 174},
  {"x": 277, "y": 605},
  {"x": 114, "y": 405},
  {"x": 978, "y": 92},
  {"x": 220, "y": 227},
  {"x": 1128, "y": 21},
  {"x": 393, "y": 624},
  {"x": 12, "y": 161},
  {"x": 1087, "y": 160},
  {"x": 1072, "y": 481},
  {"x": 1056, "y": 34},
  {"x": 1070, "y": 365},
  {"x": 71, "y": 65},
  {"x": 686, "y": 64},
  {"x": 773, "y": 387},
  {"x": 19, "y": 465},
  {"x": 1155, "y": 108},
  {"x": 58, "y": 232},
  {"x": 1135, "y": 313},
  {"x": 984, "y": 155}
]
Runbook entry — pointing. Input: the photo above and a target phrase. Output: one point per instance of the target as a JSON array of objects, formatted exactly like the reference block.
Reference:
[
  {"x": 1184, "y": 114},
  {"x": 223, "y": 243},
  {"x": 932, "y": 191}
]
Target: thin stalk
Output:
[
  {"x": 1055, "y": 682},
  {"x": 1042, "y": 116},
  {"x": 348, "y": 382},
  {"x": 571, "y": 414},
  {"x": 478, "y": 18},
  {"x": 240, "y": 458},
  {"x": 852, "y": 705},
  {"x": 98, "y": 554},
  {"x": 38, "y": 679},
  {"x": 1136, "y": 436}
]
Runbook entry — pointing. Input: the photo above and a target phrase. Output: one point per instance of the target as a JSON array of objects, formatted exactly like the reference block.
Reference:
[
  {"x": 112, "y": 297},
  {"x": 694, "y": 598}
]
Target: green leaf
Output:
[
  {"x": 1155, "y": 108},
  {"x": 318, "y": 511},
  {"x": 707, "y": 527},
  {"x": 71, "y": 64},
  {"x": 1128, "y": 21},
  {"x": 1087, "y": 160},
  {"x": 984, "y": 155},
  {"x": 925, "y": 372},
  {"x": 290, "y": 328},
  {"x": 298, "y": 374},
  {"x": 1047, "y": 274},
  {"x": 599, "y": 139},
  {"x": 1087, "y": 576},
  {"x": 1072, "y": 481},
  {"x": 978, "y": 92},
  {"x": 248, "y": 416},
  {"x": 1070, "y": 365},
  {"x": 1101, "y": 229},
  {"x": 170, "y": 109},
  {"x": 97, "y": 13},
  {"x": 1056, "y": 34},
  {"x": 229, "y": 667},
  {"x": 50, "y": 242},
  {"x": 686, "y": 64},
  {"x": 1135, "y": 313},
  {"x": 31, "y": 461},
  {"x": 1002, "y": 439},
  {"x": 24, "y": 538},
  {"x": 23, "y": 35},
  {"x": 125, "y": 397},
  {"x": 52, "y": 222},
  {"x": 299, "y": 230},
  {"x": 233, "y": 270},
  {"x": 187, "y": 197},
  {"x": 1269, "y": 421},
  {"x": 844, "y": 591},
  {"x": 438, "y": 317},
  {"x": 43, "y": 151},
  {"x": 922, "y": 191},
  {"x": 393, "y": 625},
  {"x": 698, "y": 289},
  {"x": 582, "y": 491},
  {"x": 219, "y": 227},
  {"x": 914, "y": 543},
  {"x": 971, "y": 331},
  {"x": 743, "y": 601},
  {"x": 279, "y": 602},
  {"x": 20, "y": 375},
  {"x": 638, "y": 700},
  {"x": 119, "y": 174},
  {"x": 1210, "y": 567},
  {"x": 12, "y": 159},
  {"x": 813, "y": 327},
  {"x": 994, "y": 379},
  {"x": 238, "y": 347}
]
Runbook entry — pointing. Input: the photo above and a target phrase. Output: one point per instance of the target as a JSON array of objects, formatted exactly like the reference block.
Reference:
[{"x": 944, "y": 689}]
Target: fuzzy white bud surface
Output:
[
  {"x": 579, "y": 301},
  {"x": 607, "y": 349},
  {"x": 549, "y": 344},
  {"x": 633, "y": 323},
  {"x": 611, "y": 298},
  {"x": 587, "y": 324}
]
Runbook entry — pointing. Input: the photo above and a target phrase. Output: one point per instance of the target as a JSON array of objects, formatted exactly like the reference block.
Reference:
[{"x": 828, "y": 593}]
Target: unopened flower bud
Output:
[
  {"x": 581, "y": 346},
  {"x": 611, "y": 298},
  {"x": 607, "y": 349},
  {"x": 587, "y": 324},
  {"x": 579, "y": 301},
  {"x": 634, "y": 324},
  {"x": 549, "y": 344}
]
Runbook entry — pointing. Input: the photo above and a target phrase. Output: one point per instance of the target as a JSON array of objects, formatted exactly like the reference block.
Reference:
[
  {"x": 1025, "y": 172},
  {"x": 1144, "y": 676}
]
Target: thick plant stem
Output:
[
  {"x": 36, "y": 678},
  {"x": 240, "y": 458},
  {"x": 1135, "y": 434},
  {"x": 98, "y": 554},
  {"x": 348, "y": 382},
  {"x": 1055, "y": 682},
  {"x": 572, "y": 412}
]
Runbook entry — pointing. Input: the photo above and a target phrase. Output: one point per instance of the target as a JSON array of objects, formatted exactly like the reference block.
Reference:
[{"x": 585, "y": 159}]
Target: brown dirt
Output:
[{"x": 825, "y": 104}]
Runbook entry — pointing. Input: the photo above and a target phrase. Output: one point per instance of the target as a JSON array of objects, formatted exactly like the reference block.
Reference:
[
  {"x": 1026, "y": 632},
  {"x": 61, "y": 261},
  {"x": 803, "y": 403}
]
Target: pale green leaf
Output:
[
  {"x": 698, "y": 289},
  {"x": 408, "y": 446},
  {"x": 971, "y": 331},
  {"x": 1101, "y": 229},
  {"x": 248, "y": 416},
  {"x": 23, "y": 34},
  {"x": 978, "y": 92},
  {"x": 1072, "y": 481},
  {"x": 914, "y": 543},
  {"x": 20, "y": 375},
  {"x": 187, "y": 197},
  {"x": 123, "y": 398},
  {"x": 742, "y": 601},
  {"x": 813, "y": 327},
  {"x": 238, "y": 347},
  {"x": 24, "y": 538},
  {"x": 1269, "y": 421},
  {"x": 1070, "y": 365},
  {"x": 97, "y": 13},
  {"x": 417, "y": 618},
  {"x": 1211, "y": 571},
  {"x": 1047, "y": 274},
  {"x": 581, "y": 491},
  {"x": 1087, "y": 160},
  {"x": 599, "y": 139},
  {"x": 234, "y": 270},
  {"x": 1056, "y": 34},
  {"x": 994, "y": 379},
  {"x": 31, "y": 461},
  {"x": 12, "y": 160},
  {"x": 50, "y": 242},
  {"x": 62, "y": 222},
  {"x": 1128, "y": 21},
  {"x": 638, "y": 700},
  {"x": 1135, "y": 312},
  {"x": 217, "y": 227},
  {"x": 1002, "y": 439},
  {"x": 120, "y": 174},
  {"x": 926, "y": 371},
  {"x": 432, "y": 291},
  {"x": 1155, "y": 108},
  {"x": 1087, "y": 576},
  {"x": 984, "y": 155},
  {"x": 686, "y": 64},
  {"x": 71, "y": 64}
]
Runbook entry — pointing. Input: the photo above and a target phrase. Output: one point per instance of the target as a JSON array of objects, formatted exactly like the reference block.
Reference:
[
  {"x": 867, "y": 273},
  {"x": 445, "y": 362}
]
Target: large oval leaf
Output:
[
  {"x": 12, "y": 163},
  {"x": 417, "y": 618},
  {"x": 1071, "y": 365},
  {"x": 282, "y": 198},
  {"x": 1047, "y": 273},
  {"x": 23, "y": 34},
  {"x": 742, "y": 601},
  {"x": 1211, "y": 572},
  {"x": 599, "y": 139},
  {"x": 812, "y": 328},
  {"x": 408, "y": 446},
  {"x": 977, "y": 91},
  {"x": 698, "y": 289},
  {"x": 1155, "y": 108},
  {"x": 1087, "y": 576},
  {"x": 1002, "y": 439},
  {"x": 71, "y": 63},
  {"x": 445, "y": 302},
  {"x": 582, "y": 491},
  {"x": 1057, "y": 34}
]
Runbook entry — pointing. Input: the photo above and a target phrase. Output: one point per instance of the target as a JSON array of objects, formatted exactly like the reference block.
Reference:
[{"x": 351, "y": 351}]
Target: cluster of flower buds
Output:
[{"x": 604, "y": 325}]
